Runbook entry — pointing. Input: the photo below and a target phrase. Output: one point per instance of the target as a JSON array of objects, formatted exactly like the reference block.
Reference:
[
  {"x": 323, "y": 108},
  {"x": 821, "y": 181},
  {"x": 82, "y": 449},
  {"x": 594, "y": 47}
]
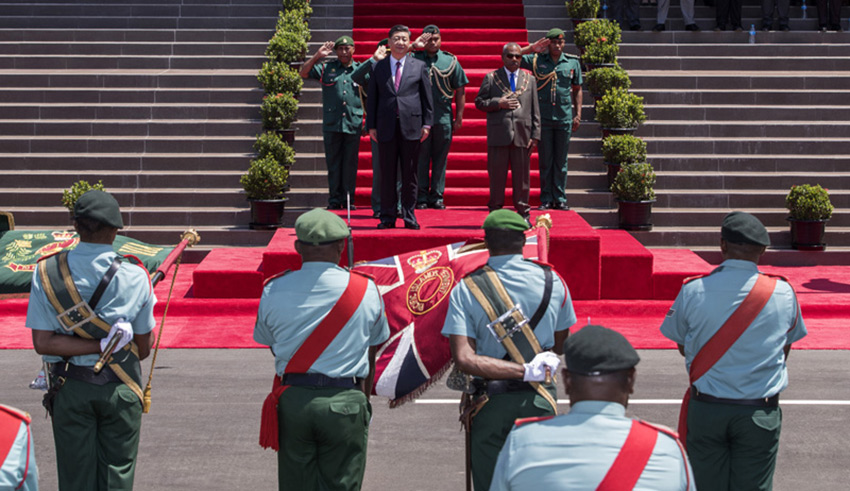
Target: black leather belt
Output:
[
  {"x": 319, "y": 380},
  {"x": 495, "y": 387},
  {"x": 772, "y": 401},
  {"x": 84, "y": 374}
]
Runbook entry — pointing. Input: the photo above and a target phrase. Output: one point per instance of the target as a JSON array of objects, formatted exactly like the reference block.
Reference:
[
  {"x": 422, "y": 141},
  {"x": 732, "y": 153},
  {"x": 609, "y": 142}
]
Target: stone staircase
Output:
[{"x": 157, "y": 99}]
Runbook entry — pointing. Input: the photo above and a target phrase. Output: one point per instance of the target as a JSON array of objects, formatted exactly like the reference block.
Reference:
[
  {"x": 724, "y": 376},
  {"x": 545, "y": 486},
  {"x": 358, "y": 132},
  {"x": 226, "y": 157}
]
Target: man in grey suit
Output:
[
  {"x": 399, "y": 117},
  {"x": 509, "y": 97}
]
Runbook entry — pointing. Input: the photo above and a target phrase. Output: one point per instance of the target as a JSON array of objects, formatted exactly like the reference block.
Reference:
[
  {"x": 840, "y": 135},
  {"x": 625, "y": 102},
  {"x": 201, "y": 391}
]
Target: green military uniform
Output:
[
  {"x": 342, "y": 123},
  {"x": 446, "y": 76},
  {"x": 556, "y": 114}
]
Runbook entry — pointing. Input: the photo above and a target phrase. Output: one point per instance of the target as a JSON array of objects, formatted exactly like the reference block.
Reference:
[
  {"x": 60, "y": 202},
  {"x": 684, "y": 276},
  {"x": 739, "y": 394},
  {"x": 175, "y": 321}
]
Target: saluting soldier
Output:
[
  {"x": 323, "y": 325},
  {"x": 735, "y": 327},
  {"x": 509, "y": 366},
  {"x": 447, "y": 81},
  {"x": 342, "y": 115},
  {"x": 18, "y": 469},
  {"x": 592, "y": 446},
  {"x": 559, "y": 91},
  {"x": 79, "y": 301}
]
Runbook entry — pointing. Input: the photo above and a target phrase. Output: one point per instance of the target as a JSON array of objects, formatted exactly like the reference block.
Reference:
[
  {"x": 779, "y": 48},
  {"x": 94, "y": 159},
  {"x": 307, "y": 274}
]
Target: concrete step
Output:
[
  {"x": 184, "y": 180},
  {"x": 130, "y": 78},
  {"x": 131, "y": 62},
  {"x": 154, "y": 95},
  {"x": 132, "y": 198},
  {"x": 105, "y": 48},
  {"x": 125, "y": 161},
  {"x": 200, "y": 145},
  {"x": 135, "y": 36},
  {"x": 115, "y": 127},
  {"x": 12, "y": 111}
]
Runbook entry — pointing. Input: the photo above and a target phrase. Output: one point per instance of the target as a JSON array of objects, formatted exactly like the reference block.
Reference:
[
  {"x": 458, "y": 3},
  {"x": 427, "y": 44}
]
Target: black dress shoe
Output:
[
  {"x": 528, "y": 221},
  {"x": 386, "y": 225},
  {"x": 376, "y": 214},
  {"x": 692, "y": 27},
  {"x": 658, "y": 28},
  {"x": 412, "y": 225},
  {"x": 334, "y": 207},
  {"x": 544, "y": 207},
  {"x": 438, "y": 206},
  {"x": 421, "y": 206},
  {"x": 562, "y": 205}
]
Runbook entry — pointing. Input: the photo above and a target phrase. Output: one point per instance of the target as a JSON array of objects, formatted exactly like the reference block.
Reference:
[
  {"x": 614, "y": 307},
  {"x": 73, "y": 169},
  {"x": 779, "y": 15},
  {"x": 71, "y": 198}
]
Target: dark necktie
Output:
[{"x": 513, "y": 82}]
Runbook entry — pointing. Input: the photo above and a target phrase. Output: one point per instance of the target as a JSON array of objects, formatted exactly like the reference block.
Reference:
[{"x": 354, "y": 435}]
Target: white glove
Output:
[
  {"x": 535, "y": 370},
  {"x": 123, "y": 330}
]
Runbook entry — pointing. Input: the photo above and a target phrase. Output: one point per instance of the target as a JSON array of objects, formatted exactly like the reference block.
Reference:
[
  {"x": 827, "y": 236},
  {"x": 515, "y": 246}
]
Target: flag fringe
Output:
[{"x": 394, "y": 403}]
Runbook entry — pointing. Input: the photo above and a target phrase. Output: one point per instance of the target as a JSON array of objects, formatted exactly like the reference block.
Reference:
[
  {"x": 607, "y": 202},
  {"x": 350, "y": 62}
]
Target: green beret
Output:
[
  {"x": 555, "y": 33},
  {"x": 505, "y": 220},
  {"x": 99, "y": 205},
  {"x": 318, "y": 227},
  {"x": 384, "y": 42},
  {"x": 343, "y": 41},
  {"x": 431, "y": 29},
  {"x": 597, "y": 350},
  {"x": 742, "y": 228}
]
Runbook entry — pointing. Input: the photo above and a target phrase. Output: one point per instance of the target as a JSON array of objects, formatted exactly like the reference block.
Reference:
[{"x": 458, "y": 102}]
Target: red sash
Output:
[
  {"x": 723, "y": 339},
  {"x": 10, "y": 424},
  {"x": 309, "y": 352},
  {"x": 632, "y": 459}
]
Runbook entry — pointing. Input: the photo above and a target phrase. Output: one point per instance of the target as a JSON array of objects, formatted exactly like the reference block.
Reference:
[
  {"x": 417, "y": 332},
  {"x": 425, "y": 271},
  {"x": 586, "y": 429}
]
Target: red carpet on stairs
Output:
[{"x": 473, "y": 30}]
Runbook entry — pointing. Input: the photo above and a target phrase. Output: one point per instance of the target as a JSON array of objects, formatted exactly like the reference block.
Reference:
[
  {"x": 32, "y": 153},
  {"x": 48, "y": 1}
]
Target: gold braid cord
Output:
[
  {"x": 544, "y": 221},
  {"x": 507, "y": 90},
  {"x": 548, "y": 79},
  {"x": 438, "y": 76}
]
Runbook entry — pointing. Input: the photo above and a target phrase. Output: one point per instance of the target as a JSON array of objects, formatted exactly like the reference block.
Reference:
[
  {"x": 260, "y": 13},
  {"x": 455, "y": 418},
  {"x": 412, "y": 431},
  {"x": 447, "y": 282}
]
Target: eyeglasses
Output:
[{"x": 516, "y": 57}]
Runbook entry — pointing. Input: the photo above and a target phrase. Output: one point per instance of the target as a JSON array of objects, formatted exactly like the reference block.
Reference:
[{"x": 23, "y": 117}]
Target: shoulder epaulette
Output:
[
  {"x": 540, "y": 263},
  {"x": 16, "y": 413},
  {"x": 661, "y": 428},
  {"x": 692, "y": 278},
  {"x": 777, "y": 276},
  {"x": 361, "y": 273},
  {"x": 570, "y": 55},
  {"x": 522, "y": 421},
  {"x": 276, "y": 276},
  {"x": 450, "y": 54},
  {"x": 42, "y": 258}
]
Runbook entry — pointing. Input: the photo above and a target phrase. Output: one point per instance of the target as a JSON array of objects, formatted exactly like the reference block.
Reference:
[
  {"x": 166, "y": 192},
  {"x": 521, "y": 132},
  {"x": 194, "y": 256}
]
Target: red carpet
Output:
[{"x": 475, "y": 31}]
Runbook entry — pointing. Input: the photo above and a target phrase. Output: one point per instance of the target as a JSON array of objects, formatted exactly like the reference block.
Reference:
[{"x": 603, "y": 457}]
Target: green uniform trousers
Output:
[
  {"x": 733, "y": 447},
  {"x": 433, "y": 154},
  {"x": 552, "y": 153},
  {"x": 323, "y": 434},
  {"x": 341, "y": 160},
  {"x": 491, "y": 426},
  {"x": 96, "y": 432}
]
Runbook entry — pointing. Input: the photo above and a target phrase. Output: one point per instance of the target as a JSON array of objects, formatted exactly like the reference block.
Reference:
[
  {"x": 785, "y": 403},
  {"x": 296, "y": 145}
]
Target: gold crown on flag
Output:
[{"x": 424, "y": 260}]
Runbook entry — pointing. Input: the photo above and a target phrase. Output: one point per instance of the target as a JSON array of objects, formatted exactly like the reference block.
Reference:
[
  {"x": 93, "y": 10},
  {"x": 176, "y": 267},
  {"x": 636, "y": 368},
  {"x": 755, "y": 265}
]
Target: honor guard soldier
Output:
[
  {"x": 323, "y": 325},
  {"x": 342, "y": 115},
  {"x": 595, "y": 446},
  {"x": 447, "y": 81},
  {"x": 18, "y": 470},
  {"x": 559, "y": 91},
  {"x": 80, "y": 300},
  {"x": 502, "y": 320},
  {"x": 735, "y": 327}
]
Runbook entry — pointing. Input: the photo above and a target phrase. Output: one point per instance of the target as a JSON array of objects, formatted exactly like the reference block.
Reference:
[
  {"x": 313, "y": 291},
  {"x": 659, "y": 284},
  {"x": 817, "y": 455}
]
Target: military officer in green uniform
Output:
[
  {"x": 559, "y": 91},
  {"x": 512, "y": 387},
  {"x": 323, "y": 325},
  {"x": 342, "y": 115},
  {"x": 447, "y": 81},
  {"x": 97, "y": 416}
]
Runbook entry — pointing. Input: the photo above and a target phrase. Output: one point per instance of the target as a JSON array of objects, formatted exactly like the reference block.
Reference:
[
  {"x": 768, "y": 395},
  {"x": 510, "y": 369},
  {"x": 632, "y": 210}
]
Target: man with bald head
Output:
[{"x": 509, "y": 97}]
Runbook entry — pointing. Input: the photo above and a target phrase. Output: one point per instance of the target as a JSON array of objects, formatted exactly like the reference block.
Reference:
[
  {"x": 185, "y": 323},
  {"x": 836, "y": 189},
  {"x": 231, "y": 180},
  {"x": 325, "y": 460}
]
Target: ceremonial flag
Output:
[{"x": 415, "y": 287}]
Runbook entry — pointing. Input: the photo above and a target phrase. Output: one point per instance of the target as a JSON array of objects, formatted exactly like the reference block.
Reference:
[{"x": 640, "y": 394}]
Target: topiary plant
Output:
[
  {"x": 279, "y": 77},
  {"x": 601, "y": 80},
  {"x": 286, "y": 47},
  {"x": 72, "y": 194},
  {"x": 298, "y": 5},
  {"x": 270, "y": 144},
  {"x": 623, "y": 149},
  {"x": 619, "y": 108},
  {"x": 635, "y": 182},
  {"x": 600, "y": 53},
  {"x": 265, "y": 179},
  {"x": 597, "y": 31},
  {"x": 582, "y": 9},
  {"x": 294, "y": 21},
  {"x": 278, "y": 111},
  {"x": 807, "y": 202}
]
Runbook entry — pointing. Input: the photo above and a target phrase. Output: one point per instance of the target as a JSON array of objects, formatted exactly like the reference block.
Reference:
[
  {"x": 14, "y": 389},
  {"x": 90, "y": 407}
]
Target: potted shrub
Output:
[
  {"x": 619, "y": 112},
  {"x": 634, "y": 189},
  {"x": 601, "y": 80},
  {"x": 279, "y": 111},
  {"x": 263, "y": 184},
  {"x": 277, "y": 78},
  {"x": 298, "y": 5},
  {"x": 810, "y": 209},
  {"x": 271, "y": 144},
  {"x": 618, "y": 150},
  {"x": 597, "y": 31},
  {"x": 72, "y": 194},
  {"x": 582, "y": 10},
  {"x": 597, "y": 55},
  {"x": 287, "y": 47}
]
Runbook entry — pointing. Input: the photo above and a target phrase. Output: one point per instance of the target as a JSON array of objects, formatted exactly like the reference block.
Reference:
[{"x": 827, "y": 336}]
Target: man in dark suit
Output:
[
  {"x": 509, "y": 97},
  {"x": 399, "y": 117}
]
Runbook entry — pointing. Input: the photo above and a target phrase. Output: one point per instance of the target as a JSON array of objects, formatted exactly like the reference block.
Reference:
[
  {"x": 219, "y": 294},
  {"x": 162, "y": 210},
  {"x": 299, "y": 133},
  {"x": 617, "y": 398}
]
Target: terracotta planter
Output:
[
  {"x": 616, "y": 131},
  {"x": 807, "y": 235},
  {"x": 267, "y": 213},
  {"x": 635, "y": 215}
]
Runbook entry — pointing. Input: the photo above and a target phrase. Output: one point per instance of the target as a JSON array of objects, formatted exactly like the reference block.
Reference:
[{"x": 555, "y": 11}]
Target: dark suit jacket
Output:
[
  {"x": 413, "y": 100},
  {"x": 505, "y": 126}
]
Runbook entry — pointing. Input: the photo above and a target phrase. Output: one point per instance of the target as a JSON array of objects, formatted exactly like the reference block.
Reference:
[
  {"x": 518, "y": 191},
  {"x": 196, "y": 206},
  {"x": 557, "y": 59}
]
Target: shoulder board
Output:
[
  {"x": 361, "y": 273},
  {"x": 276, "y": 276},
  {"x": 450, "y": 54},
  {"x": 540, "y": 263},
  {"x": 15, "y": 413},
  {"x": 777, "y": 276},
  {"x": 522, "y": 421},
  {"x": 660, "y": 428},
  {"x": 692, "y": 278},
  {"x": 569, "y": 55},
  {"x": 42, "y": 258}
]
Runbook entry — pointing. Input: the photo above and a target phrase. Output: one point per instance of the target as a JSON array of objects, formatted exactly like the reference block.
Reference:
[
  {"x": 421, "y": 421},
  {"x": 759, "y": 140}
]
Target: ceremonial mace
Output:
[{"x": 189, "y": 238}]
